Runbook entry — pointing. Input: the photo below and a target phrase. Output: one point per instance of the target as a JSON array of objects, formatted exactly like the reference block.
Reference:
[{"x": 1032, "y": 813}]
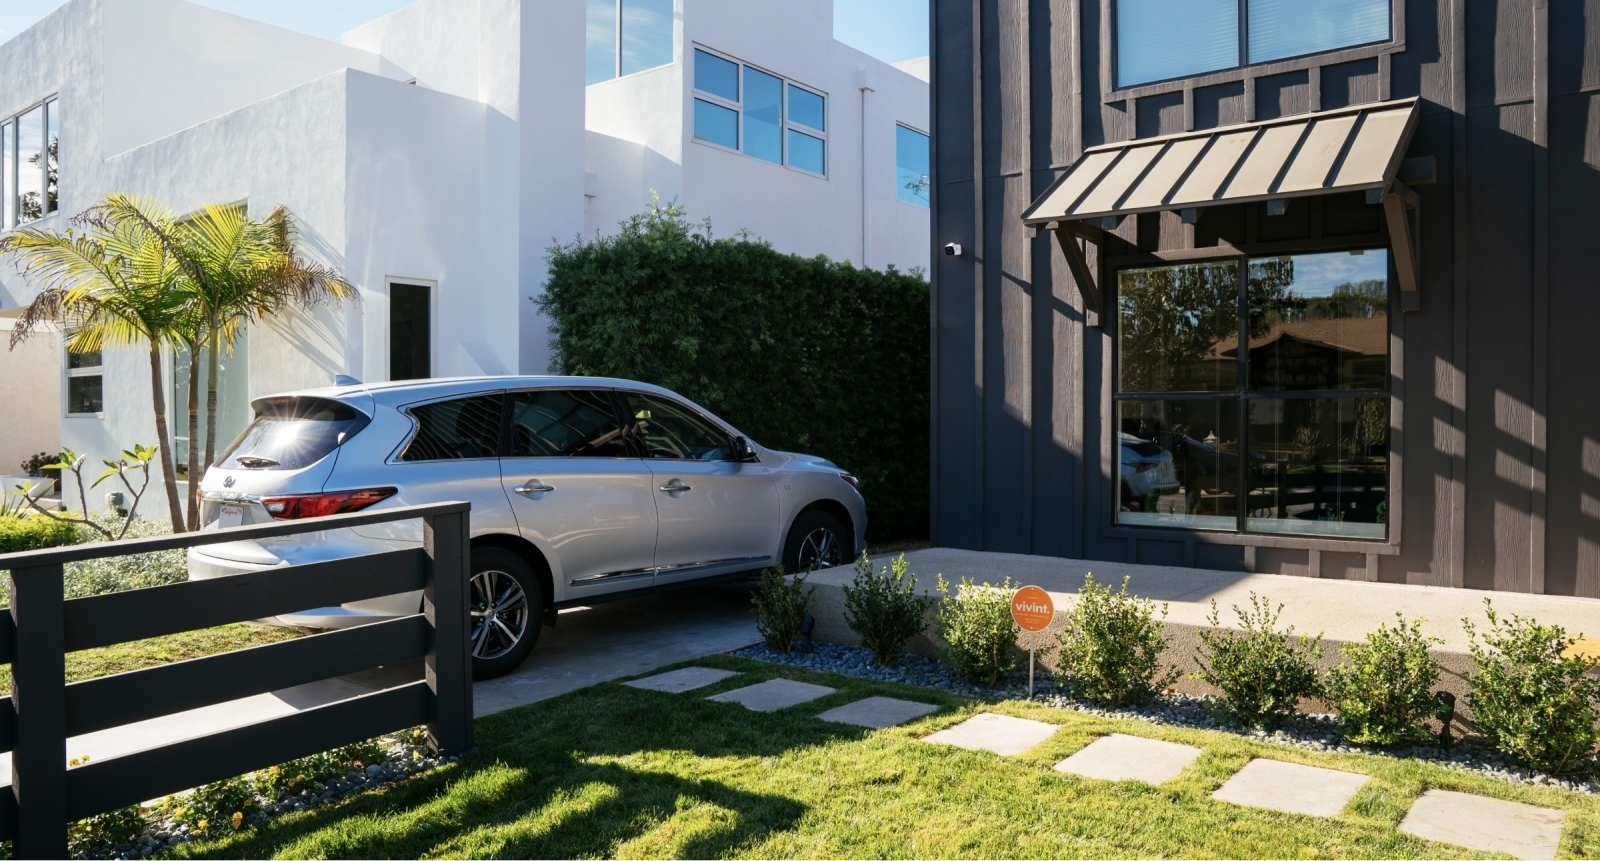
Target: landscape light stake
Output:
[
  {"x": 1447, "y": 713},
  {"x": 806, "y": 626}
]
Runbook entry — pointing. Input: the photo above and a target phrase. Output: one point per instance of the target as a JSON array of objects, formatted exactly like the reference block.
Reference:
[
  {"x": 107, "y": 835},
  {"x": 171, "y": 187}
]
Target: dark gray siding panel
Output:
[
  {"x": 1220, "y": 557},
  {"x": 1220, "y": 105},
  {"x": 1350, "y": 84},
  {"x": 1160, "y": 115},
  {"x": 961, "y": 446},
  {"x": 1283, "y": 95}
]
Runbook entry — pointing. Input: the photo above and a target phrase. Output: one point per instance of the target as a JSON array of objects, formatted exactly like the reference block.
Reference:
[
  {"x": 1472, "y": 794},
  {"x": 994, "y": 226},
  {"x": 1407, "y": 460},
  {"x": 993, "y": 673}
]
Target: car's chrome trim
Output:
[
  {"x": 612, "y": 577},
  {"x": 229, "y": 496},
  {"x": 695, "y": 567}
]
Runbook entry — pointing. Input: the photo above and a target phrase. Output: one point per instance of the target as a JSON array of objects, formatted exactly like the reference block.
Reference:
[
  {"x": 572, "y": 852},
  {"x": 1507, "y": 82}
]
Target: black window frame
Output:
[
  {"x": 1113, "y": 89},
  {"x": 1242, "y": 393},
  {"x": 619, "y": 414}
]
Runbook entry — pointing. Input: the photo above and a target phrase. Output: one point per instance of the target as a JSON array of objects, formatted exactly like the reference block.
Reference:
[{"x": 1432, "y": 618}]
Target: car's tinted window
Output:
[
  {"x": 672, "y": 431},
  {"x": 557, "y": 423},
  {"x": 456, "y": 430},
  {"x": 292, "y": 433}
]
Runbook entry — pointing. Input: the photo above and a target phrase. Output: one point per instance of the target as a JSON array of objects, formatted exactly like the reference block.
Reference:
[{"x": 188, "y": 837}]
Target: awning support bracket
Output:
[
  {"x": 1402, "y": 213},
  {"x": 1088, "y": 285}
]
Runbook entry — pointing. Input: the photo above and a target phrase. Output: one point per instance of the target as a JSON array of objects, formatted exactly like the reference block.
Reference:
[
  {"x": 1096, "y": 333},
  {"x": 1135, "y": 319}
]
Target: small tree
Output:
[
  {"x": 1384, "y": 687},
  {"x": 137, "y": 461},
  {"x": 1111, "y": 647},
  {"x": 979, "y": 634},
  {"x": 1534, "y": 699},
  {"x": 884, "y": 609},
  {"x": 1261, "y": 672},
  {"x": 781, "y": 604}
]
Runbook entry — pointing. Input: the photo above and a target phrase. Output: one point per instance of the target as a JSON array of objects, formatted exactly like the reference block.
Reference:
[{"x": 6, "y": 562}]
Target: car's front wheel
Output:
[
  {"x": 506, "y": 603},
  {"x": 816, "y": 540}
]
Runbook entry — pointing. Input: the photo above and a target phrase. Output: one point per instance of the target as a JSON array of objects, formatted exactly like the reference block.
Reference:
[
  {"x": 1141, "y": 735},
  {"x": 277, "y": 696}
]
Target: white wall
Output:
[
  {"x": 170, "y": 65},
  {"x": 30, "y": 398}
]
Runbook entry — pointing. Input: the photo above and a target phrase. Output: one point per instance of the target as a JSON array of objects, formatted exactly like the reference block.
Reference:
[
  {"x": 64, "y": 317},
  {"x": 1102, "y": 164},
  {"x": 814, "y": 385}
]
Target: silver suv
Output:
[{"x": 582, "y": 490}]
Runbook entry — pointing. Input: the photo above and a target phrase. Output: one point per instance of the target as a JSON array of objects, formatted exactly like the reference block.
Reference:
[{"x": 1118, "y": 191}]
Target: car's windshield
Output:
[{"x": 292, "y": 433}]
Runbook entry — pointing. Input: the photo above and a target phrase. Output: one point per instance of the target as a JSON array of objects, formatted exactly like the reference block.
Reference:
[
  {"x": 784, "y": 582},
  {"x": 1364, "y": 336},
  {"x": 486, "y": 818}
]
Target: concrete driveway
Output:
[{"x": 587, "y": 646}]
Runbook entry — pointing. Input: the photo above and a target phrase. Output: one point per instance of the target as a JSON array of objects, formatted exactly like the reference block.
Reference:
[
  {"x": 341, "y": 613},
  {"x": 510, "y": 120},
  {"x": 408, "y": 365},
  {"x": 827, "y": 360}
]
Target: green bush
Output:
[
  {"x": 1262, "y": 674},
  {"x": 801, "y": 354},
  {"x": 121, "y": 573},
  {"x": 34, "y": 532},
  {"x": 884, "y": 609},
  {"x": 1534, "y": 701},
  {"x": 112, "y": 828},
  {"x": 781, "y": 604},
  {"x": 1383, "y": 689},
  {"x": 1111, "y": 647},
  {"x": 980, "y": 637}
]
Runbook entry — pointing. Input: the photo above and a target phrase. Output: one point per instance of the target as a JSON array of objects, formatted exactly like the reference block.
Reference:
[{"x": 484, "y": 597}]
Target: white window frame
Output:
[
  {"x": 929, "y": 176},
  {"x": 616, "y": 48},
  {"x": 784, "y": 127},
  {"x": 11, "y": 167},
  {"x": 68, "y": 373}
]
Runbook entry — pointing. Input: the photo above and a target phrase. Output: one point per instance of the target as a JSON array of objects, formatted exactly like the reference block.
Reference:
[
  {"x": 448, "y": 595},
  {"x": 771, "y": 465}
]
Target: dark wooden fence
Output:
[{"x": 43, "y": 710}]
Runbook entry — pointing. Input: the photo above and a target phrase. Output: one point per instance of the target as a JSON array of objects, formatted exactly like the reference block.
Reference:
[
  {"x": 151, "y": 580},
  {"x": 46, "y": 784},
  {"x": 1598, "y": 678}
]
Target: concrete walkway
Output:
[{"x": 587, "y": 646}]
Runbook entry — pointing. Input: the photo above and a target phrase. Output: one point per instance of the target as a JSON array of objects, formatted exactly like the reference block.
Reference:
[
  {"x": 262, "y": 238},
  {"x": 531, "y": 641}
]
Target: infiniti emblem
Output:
[{"x": 228, "y": 482}]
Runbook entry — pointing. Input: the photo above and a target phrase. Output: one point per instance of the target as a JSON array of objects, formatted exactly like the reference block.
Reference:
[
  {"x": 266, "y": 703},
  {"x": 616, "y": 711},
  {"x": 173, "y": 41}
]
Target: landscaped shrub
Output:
[
  {"x": 1533, "y": 701},
  {"x": 884, "y": 609},
  {"x": 1111, "y": 648},
  {"x": 980, "y": 637},
  {"x": 112, "y": 828},
  {"x": 1383, "y": 689},
  {"x": 801, "y": 354},
  {"x": 121, "y": 573},
  {"x": 34, "y": 532},
  {"x": 781, "y": 604},
  {"x": 1261, "y": 672}
]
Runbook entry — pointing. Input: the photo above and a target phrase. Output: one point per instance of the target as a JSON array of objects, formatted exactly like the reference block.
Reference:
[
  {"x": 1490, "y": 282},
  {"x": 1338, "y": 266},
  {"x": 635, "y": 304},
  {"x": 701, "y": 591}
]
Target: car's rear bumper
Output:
[{"x": 203, "y": 566}]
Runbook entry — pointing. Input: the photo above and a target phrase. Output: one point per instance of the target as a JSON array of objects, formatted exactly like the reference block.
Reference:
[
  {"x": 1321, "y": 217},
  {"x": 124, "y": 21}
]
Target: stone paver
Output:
[
  {"x": 1126, "y": 757},
  {"x": 878, "y": 712},
  {"x": 769, "y": 696},
  {"x": 1291, "y": 788},
  {"x": 1007, "y": 736},
  {"x": 1486, "y": 824},
  {"x": 678, "y": 681}
]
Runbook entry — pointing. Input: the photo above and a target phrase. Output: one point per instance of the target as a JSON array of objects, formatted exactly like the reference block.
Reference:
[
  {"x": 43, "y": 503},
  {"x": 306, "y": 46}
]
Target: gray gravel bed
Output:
[{"x": 1309, "y": 731}]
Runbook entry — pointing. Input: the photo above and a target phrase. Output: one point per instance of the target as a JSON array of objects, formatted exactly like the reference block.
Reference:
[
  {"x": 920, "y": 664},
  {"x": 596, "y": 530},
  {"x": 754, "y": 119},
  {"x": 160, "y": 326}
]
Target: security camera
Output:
[{"x": 953, "y": 249}]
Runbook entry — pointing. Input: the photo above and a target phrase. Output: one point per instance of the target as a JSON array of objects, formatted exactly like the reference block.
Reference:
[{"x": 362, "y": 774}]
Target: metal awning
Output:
[
  {"x": 1322, "y": 153},
  {"x": 1350, "y": 149}
]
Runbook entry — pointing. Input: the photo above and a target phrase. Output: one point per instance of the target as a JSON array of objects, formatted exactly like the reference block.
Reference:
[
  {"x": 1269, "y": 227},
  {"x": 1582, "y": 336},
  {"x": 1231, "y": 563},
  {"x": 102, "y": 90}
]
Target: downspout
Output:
[{"x": 864, "y": 84}]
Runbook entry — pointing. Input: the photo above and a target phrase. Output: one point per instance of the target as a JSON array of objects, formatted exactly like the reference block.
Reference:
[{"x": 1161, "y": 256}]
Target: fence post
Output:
[
  {"x": 38, "y": 692},
  {"x": 446, "y": 603}
]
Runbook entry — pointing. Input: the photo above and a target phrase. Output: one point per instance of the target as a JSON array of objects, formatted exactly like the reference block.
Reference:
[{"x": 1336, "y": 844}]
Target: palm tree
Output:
[
  {"x": 240, "y": 271},
  {"x": 111, "y": 285}
]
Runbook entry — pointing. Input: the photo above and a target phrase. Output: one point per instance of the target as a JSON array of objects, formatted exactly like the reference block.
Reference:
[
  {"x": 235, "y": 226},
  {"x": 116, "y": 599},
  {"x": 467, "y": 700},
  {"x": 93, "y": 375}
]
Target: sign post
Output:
[{"x": 1032, "y": 609}]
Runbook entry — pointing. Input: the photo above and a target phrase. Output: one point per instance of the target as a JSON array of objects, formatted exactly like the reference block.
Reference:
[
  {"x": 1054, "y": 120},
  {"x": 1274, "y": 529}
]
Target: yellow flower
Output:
[
  {"x": 273, "y": 771},
  {"x": 203, "y": 824},
  {"x": 73, "y": 762},
  {"x": 178, "y": 814},
  {"x": 238, "y": 819}
]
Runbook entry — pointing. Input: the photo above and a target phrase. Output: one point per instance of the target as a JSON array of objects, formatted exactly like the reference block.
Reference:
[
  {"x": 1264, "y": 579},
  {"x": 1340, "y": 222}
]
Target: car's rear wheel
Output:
[
  {"x": 506, "y": 603},
  {"x": 816, "y": 540}
]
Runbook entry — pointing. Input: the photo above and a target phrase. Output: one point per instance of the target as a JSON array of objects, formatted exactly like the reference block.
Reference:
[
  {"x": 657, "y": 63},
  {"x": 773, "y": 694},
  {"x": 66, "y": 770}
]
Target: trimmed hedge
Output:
[
  {"x": 34, "y": 533},
  {"x": 802, "y": 354}
]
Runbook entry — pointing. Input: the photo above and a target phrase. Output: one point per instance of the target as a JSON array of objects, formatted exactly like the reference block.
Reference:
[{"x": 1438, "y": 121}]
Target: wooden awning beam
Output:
[
  {"x": 1402, "y": 212},
  {"x": 1067, "y": 235}
]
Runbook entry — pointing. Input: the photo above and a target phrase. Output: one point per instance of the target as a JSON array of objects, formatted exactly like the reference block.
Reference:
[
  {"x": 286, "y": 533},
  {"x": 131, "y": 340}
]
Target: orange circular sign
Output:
[{"x": 1032, "y": 608}]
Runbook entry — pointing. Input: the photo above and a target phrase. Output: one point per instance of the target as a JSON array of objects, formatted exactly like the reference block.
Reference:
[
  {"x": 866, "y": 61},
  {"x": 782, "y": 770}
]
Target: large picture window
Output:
[
  {"x": 759, "y": 114},
  {"x": 1158, "y": 40},
  {"x": 1287, "y": 435},
  {"x": 626, "y": 36}
]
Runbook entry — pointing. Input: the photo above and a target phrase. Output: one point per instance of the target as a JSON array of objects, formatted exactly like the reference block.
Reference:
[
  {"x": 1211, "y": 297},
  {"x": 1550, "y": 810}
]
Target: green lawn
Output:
[
  {"x": 614, "y": 771},
  {"x": 92, "y": 663}
]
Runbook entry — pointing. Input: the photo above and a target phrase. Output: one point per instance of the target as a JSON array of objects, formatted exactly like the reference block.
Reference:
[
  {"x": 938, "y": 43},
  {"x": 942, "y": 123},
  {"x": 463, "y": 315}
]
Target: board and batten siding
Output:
[{"x": 1496, "y": 434}]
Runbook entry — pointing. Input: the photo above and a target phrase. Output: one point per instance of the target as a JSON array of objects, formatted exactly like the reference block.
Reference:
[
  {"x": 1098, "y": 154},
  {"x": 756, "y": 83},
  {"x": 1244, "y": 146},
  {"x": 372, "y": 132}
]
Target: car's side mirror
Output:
[{"x": 742, "y": 451}]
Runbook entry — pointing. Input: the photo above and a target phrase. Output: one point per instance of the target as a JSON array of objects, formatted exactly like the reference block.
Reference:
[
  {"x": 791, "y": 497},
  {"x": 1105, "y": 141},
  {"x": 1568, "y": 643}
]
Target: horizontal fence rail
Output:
[{"x": 42, "y": 627}]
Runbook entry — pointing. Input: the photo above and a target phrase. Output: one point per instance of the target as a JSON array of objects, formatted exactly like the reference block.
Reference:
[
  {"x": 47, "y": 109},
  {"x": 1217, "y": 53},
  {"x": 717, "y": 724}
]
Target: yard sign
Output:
[{"x": 1032, "y": 608}]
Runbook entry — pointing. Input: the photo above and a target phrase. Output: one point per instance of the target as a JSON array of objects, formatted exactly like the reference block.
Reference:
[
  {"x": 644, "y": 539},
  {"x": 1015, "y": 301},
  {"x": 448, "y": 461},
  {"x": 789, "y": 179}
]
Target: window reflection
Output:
[
  {"x": 763, "y": 116},
  {"x": 600, "y": 41},
  {"x": 1327, "y": 466},
  {"x": 30, "y": 165},
  {"x": 911, "y": 166},
  {"x": 646, "y": 34},
  {"x": 1170, "y": 320},
  {"x": 1178, "y": 463},
  {"x": 1319, "y": 322}
]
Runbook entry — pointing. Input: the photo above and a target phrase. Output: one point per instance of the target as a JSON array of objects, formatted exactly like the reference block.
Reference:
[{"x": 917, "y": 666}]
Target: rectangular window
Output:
[
  {"x": 30, "y": 165},
  {"x": 1159, "y": 40},
  {"x": 626, "y": 36},
  {"x": 52, "y": 147},
  {"x": 911, "y": 167},
  {"x": 1288, "y": 435},
  {"x": 233, "y": 401},
  {"x": 85, "y": 395},
  {"x": 760, "y": 114},
  {"x": 8, "y": 175},
  {"x": 410, "y": 332}
]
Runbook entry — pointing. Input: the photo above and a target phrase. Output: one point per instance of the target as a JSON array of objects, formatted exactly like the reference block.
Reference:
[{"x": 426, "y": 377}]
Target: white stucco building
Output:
[{"x": 443, "y": 148}]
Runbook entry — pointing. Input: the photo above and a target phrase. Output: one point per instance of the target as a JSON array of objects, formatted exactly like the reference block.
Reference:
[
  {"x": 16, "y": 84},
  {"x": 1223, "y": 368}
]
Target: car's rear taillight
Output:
[{"x": 323, "y": 504}]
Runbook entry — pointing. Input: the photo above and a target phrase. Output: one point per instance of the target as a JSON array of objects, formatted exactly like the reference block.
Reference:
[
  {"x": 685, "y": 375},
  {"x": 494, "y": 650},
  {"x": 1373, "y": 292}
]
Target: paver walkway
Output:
[
  {"x": 1291, "y": 788},
  {"x": 1127, "y": 757},
  {"x": 878, "y": 712},
  {"x": 1002, "y": 734},
  {"x": 1487, "y": 824},
  {"x": 772, "y": 695},
  {"x": 678, "y": 681}
]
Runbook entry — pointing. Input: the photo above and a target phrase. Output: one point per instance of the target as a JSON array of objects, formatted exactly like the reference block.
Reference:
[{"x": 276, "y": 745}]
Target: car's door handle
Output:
[
  {"x": 534, "y": 486},
  {"x": 674, "y": 486}
]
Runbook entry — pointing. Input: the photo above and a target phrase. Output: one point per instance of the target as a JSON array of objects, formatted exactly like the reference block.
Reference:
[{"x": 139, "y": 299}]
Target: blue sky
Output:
[{"x": 891, "y": 30}]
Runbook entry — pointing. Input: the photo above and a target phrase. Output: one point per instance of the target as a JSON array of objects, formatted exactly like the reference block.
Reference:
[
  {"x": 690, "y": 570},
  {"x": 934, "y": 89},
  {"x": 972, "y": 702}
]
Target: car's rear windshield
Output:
[{"x": 292, "y": 433}]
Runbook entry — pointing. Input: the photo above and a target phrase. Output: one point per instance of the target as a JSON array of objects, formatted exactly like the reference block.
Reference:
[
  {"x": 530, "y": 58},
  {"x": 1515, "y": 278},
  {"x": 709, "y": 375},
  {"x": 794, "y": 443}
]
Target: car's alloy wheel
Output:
[
  {"x": 821, "y": 548},
  {"x": 499, "y": 614}
]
